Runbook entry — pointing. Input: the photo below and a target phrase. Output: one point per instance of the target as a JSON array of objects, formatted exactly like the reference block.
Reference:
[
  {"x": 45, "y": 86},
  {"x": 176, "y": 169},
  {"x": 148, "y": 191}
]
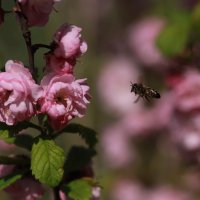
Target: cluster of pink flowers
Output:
[{"x": 59, "y": 94}]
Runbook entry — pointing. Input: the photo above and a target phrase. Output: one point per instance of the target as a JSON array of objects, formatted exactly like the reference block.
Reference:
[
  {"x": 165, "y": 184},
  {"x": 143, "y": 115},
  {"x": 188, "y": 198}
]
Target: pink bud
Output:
[
  {"x": 37, "y": 12},
  {"x": 69, "y": 42}
]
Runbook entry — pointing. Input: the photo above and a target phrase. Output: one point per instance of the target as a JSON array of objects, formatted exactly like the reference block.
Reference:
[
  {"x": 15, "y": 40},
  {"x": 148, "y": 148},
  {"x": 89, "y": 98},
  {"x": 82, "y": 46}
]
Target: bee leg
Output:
[
  {"x": 137, "y": 99},
  {"x": 147, "y": 98}
]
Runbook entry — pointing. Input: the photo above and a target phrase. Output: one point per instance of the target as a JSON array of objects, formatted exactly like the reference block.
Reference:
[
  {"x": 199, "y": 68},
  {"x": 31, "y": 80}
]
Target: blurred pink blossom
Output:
[
  {"x": 6, "y": 147},
  {"x": 114, "y": 86},
  {"x": 18, "y": 93},
  {"x": 187, "y": 91},
  {"x": 37, "y": 11},
  {"x": 167, "y": 193},
  {"x": 128, "y": 190},
  {"x": 185, "y": 131},
  {"x": 6, "y": 170},
  {"x": 142, "y": 40},
  {"x": 64, "y": 99},
  {"x": 69, "y": 42},
  {"x": 116, "y": 147},
  {"x": 142, "y": 121},
  {"x": 25, "y": 189}
]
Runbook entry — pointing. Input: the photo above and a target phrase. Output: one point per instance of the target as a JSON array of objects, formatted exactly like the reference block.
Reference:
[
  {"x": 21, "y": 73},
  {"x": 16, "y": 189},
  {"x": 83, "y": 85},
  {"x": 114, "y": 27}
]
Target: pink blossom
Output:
[
  {"x": 69, "y": 42},
  {"x": 25, "y": 189},
  {"x": 64, "y": 99},
  {"x": 18, "y": 93},
  {"x": 116, "y": 147},
  {"x": 142, "y": 39},
  {"x": 37, "y": 11},
  {"x": 114, "y": 86},
  {"x": 6, "y": 170},
  {"x": 59, "y": 65},
  {"x": 167, "y": 193},
  {"x": 6, "y": 147},
  {"x": 128, "y": 190},
  {"x": 187, "y": 91},
  {"x": 185, "y": 131}
]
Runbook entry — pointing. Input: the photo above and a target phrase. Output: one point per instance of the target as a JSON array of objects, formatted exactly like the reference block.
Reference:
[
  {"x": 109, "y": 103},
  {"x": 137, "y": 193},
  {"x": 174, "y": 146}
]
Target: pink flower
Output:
[
  {"x": 142, "y": 39},
  {"x": 6, "y": 147},
  {"x": 128, "y": 190},
  {"x": 59, "y": 65},
  {"x": 116, "y": 147},
  {"x": 37, "y": 11},
  {"x": 25, "y": 189},
  {"x": 167, "y": 193},
  {"x": 18, "y": 93},
  {"x": 185, "y": 132},
  {"x": 64, "y": 99},
  {"x": 114, "y": 86},
  {"x": 69, "y": 42},
  {"x": 187, "y": 91},
  {"x": 6, "y": 170}
]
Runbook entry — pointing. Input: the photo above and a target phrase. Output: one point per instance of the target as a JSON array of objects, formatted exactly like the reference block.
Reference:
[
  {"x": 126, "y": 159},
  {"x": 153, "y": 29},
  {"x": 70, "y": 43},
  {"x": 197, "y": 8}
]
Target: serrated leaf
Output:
[
  {"x": 78, "y": 190},
  {"x": 22, "y": 140},
  {"x": 77, "y": 158},
  {"x": 10, "y": 179},
  {"x": 174, "y": 37},
  {"x": 88, "y": 134},
  {"x": 47, "y": 161}
]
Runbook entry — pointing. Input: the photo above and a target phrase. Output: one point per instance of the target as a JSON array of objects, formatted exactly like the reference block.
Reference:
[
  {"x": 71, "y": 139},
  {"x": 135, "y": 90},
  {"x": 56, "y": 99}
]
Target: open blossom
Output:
[
  {"x": 37, "y": 12},
  {"x": 65, "y": 98},
  {"x": 25, "y": 189},
  {"x": 69, "y": 42},
  {"x": 18, "y": 93}
]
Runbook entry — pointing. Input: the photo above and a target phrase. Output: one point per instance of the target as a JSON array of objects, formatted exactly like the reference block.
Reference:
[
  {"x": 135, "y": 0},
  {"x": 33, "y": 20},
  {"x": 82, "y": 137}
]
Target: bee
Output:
[{"x": 144, "y": 91}]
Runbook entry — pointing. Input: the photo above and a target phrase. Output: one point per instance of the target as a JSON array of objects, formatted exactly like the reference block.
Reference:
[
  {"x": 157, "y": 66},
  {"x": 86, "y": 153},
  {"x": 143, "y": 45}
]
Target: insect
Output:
[{"x": 144, "y": 91}]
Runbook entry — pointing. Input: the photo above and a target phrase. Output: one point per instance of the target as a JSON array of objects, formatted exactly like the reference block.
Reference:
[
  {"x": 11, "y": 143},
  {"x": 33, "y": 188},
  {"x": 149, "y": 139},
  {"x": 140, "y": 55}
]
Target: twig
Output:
[{"x": 27, "y": 37}]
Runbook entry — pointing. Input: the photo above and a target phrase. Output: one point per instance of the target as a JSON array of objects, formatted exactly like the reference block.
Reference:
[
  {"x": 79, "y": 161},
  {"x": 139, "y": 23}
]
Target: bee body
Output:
[{"x": 144, "y": 91}]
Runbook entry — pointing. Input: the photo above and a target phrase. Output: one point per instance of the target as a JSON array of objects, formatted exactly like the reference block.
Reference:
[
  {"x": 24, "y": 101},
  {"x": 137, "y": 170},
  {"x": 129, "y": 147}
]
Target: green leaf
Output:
[
  {"x": 22, "y": 140},
  {"x": 174, "y": 37},
  {"x": 10, "y": 179},
  {"x": 88, "y": 134},
  {"x": 77, "y": 158},
  {"x": 47, "y": 160},
  {"x": 78, "y": 190}
]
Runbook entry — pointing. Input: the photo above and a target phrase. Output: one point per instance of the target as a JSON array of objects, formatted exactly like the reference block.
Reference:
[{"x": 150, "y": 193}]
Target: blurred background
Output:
[{"x": 147, "y": 150}]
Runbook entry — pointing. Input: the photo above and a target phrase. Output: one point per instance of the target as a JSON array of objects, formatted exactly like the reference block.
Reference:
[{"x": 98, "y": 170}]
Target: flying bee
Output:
[{"x": 144, "y": 91}]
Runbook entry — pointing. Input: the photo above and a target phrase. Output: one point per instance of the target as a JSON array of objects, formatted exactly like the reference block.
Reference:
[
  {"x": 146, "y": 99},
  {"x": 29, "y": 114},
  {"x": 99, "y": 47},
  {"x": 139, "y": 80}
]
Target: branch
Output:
[{"x": 27, "y": 37}]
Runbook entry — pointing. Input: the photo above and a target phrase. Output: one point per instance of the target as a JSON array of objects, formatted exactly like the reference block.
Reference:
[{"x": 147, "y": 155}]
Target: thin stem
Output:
[
  {"x": 27, "y": 37},
  {"x": 56, "y": 193},
  {"x": 35, "y": 47},
  {"x": 32, "y": 125}
]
